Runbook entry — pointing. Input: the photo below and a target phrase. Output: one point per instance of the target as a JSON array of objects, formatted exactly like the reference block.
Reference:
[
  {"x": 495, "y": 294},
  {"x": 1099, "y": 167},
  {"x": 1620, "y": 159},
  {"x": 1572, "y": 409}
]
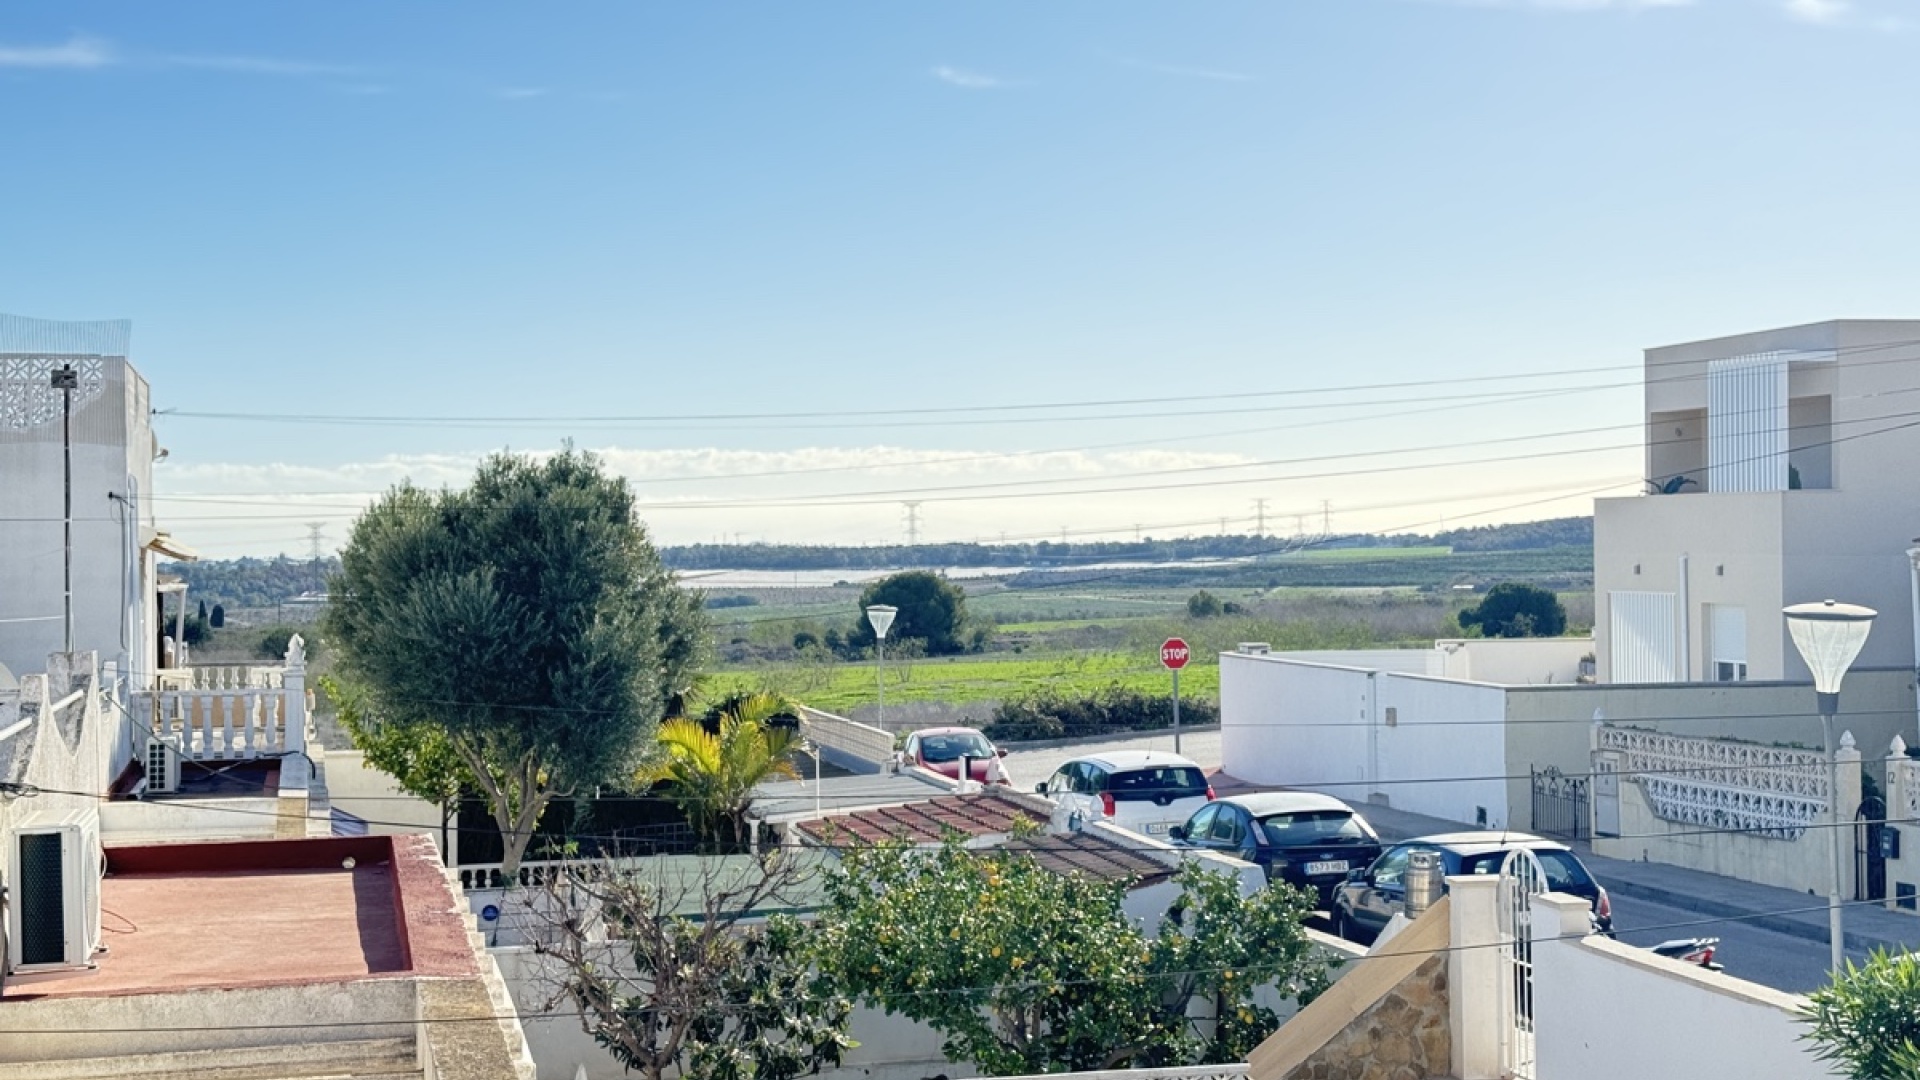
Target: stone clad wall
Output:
[{"x": 1402, "y": 1036}]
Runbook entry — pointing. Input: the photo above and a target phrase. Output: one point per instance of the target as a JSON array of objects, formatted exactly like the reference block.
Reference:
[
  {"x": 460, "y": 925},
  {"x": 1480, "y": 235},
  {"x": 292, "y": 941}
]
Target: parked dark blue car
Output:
[
  {"x": 1304, "y": 839},
  {"x": 1364, "y": 903}
]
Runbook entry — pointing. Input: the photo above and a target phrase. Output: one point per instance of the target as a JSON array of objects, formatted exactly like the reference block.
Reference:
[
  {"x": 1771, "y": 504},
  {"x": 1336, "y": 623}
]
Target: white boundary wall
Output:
[
  {"x": 1604, "y": 1010},
  {"x": 1366, "y": 736}
]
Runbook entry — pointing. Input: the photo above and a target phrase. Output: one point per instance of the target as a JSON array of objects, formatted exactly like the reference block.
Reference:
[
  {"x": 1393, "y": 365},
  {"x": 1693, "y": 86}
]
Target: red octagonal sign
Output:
[{"x": 1174, "y": 653}]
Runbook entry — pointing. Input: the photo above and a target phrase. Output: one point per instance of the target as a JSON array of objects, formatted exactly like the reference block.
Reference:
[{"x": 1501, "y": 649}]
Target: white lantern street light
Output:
[
  {"x": 1829, "y": 636},
  {"x": 881, "y": 616}
]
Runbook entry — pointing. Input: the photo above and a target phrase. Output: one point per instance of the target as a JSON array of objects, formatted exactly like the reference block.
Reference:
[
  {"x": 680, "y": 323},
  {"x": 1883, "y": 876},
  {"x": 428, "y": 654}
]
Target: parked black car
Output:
[
  {"x": 1308, "y": 840},
  {"x": 1364, "y": 903}
]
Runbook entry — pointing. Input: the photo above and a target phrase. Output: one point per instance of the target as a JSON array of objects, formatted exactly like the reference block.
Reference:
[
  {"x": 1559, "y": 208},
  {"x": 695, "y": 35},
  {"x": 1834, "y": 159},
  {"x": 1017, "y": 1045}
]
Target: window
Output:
[
  {"x": 1312, "y": 827},
  {"x": 1165, "y": 781},
  {"x": 1228, "y": 828},
  {"x": 1092, "y": 780},
  {"x": 1391, "y": 867},
  {"x": 1564, "y": 872},
  {"x": 1640, "y": 640},
  {"x": 1727, "y": 642},
  {"x": 1202, "y": 822},
  {"x": 951, "y": 747}
]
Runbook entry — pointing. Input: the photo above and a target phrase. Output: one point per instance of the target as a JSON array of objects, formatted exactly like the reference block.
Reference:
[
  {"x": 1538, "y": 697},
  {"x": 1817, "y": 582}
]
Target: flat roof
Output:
[
  {"x": 792, "y": 799},
  {"x": 253, "y": 913}
]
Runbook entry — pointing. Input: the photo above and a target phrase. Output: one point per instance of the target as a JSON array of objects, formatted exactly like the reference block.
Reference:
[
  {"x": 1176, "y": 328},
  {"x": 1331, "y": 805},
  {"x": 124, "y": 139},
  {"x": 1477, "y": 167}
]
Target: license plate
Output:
[
  {"x": 1330, "y": 866},
  {"x": 1156, "y": 827}
]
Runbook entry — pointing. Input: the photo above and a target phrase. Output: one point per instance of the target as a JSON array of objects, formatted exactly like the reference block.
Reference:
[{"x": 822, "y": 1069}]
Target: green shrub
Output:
[
  {"x": 1050, "y": 714},
  {"x": 1868, "y": 1019}
]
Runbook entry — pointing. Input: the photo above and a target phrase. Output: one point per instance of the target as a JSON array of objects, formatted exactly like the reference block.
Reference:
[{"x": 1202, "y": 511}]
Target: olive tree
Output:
[{"x": 526, "y": 618}]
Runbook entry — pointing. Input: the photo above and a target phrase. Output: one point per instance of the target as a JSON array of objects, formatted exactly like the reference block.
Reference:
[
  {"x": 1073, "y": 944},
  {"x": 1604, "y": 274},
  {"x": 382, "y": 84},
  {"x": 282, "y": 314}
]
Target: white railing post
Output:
[
  {"x": 293, "y": 696},
  {"x": 229, "y": 704}
]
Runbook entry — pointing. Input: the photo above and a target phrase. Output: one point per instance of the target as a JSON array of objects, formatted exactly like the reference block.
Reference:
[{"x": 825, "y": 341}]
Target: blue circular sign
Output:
[{"x": 490, "y": 913}]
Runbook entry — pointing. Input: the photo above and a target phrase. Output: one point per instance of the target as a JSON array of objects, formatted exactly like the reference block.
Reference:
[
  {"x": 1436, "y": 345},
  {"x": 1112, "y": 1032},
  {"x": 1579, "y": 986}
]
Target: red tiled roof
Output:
[
  {"x": 929, "y": 822},
  {"x": 1093, "y": 856}
]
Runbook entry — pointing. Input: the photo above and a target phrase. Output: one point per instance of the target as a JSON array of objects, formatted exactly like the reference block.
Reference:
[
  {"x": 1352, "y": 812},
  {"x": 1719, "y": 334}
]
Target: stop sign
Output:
[{"x": 1173, "y": 654}]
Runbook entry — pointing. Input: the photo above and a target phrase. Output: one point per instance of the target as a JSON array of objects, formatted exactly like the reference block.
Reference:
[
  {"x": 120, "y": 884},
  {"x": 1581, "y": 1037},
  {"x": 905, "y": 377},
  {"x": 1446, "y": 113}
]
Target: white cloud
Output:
[
  {"x": 257, "y": 65},
  {"x": 1570, "y": 5},
  {"x": 1183, "y": 72},
  {"x": 1818, "y": 11},
  {"x": 698, "y": 494},
  {"x": 967, "y": 80},
  {"x": 76, "y": 53}
]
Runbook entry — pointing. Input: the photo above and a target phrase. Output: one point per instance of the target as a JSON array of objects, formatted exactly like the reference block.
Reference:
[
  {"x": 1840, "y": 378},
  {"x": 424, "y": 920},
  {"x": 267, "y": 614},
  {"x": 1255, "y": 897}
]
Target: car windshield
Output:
[
  {"x": 1564, "y": 872},
  {"x": 1312, "y": 827},
  {"x": 1176, "y": 781},
  {"x": 952, "y": 747}
]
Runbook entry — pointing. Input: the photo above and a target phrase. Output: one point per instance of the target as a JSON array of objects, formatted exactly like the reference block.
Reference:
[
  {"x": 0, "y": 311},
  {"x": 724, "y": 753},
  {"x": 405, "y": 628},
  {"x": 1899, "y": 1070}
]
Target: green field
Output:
[
  {"x": 1079, "y": 636},
  {"x": 839, "y": 687}
]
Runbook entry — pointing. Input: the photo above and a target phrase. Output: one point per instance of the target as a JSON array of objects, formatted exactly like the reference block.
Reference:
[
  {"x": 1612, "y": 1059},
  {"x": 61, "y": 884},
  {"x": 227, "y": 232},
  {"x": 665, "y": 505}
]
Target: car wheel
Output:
[{"x": 1342, "y": 926}]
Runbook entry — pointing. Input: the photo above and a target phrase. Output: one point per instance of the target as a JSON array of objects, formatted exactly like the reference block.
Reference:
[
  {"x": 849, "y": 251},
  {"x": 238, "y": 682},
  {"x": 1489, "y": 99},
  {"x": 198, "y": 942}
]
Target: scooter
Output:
[{"x": 1693, "y": 950}]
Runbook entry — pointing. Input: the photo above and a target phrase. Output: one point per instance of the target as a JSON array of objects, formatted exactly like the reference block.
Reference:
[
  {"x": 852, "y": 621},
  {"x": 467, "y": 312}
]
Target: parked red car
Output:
[{"x": 940, "y": 749}]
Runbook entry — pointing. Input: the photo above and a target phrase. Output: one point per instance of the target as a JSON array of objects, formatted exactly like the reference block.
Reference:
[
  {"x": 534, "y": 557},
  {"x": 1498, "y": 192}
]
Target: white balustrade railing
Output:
[
  {"x": 247, "y": 712},
  {"x": 236, "y": 677},
  {"x": 1769, "y": 791}
]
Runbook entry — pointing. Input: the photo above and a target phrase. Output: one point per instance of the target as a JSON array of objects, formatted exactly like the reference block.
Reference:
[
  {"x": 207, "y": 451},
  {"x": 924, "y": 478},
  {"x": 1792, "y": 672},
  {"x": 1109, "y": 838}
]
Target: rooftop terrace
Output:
[{"x": 266, "y": 913}]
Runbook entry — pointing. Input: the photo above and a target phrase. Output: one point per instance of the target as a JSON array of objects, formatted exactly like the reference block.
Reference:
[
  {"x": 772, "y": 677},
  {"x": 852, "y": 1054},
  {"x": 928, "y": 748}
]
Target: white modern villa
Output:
[{"x": 1781, "y": 470}]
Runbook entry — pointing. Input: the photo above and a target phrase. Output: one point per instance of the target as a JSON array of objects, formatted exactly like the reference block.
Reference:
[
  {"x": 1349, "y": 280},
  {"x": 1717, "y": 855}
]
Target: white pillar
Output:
[
  {"x": 1896, "y": 789},
  {"x": 1475, "y": 979},
  {"x": 293, "y": 696}
]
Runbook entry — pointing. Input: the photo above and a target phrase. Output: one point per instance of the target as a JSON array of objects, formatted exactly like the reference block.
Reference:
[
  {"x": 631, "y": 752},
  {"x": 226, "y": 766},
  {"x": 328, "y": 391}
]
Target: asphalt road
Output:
[
  {"x": 1029, "y": 767},
  {"x": 1777, "y": 960}
]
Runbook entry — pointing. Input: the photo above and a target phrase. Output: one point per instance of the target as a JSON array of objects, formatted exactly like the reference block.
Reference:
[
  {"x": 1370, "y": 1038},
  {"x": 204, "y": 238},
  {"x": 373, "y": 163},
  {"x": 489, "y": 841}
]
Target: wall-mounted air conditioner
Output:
[
  {"x": 162, "y": 763},
  {"x": 53, "y": 872}
]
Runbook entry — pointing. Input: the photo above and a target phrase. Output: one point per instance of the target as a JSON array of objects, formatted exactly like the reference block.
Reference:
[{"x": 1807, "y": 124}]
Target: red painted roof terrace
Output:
[{"x": 255, "y": 913}]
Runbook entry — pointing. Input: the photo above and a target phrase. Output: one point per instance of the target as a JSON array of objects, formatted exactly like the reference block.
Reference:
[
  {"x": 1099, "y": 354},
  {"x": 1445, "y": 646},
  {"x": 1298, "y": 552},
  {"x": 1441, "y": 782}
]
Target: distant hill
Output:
[
  {"x": 265, "y": 582},
  {"x": 1573, "y": 532},
  {"x": 1525, "y": 536},
  {"x": 252, "y": 583}
]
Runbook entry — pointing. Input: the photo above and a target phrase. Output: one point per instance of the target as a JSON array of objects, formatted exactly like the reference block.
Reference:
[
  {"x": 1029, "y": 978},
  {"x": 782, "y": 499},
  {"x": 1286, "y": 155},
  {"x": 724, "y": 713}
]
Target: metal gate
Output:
[
  {"x": 1869, "y": 861},
  {"x": 1560, "y": 805},
  {"x": 1521, "y": 879}
]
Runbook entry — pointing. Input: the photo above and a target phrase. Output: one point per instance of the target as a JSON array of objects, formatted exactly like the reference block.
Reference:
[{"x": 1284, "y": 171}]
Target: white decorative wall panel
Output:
[
  {"x": 1641, "y": 637},
  {"x": 1747, "y": 423},
  {"x": 1763, "y": 790}
]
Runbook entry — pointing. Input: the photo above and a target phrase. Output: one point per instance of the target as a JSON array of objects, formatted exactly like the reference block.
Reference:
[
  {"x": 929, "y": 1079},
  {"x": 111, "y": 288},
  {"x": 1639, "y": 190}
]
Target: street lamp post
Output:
[
  {"x": 881, "y": 616},
  {"x": 1829, "y": 636},
  {"x": 812, "y": 750}
]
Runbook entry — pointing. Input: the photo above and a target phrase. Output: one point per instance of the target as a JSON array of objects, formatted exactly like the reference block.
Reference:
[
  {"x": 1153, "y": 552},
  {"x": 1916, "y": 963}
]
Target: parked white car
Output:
[{"x": 1147, "y": 791}]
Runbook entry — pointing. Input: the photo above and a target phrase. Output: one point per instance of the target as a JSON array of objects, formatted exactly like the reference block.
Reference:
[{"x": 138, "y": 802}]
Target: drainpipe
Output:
[
  {"x": 1373, "y": 734},
  {"x": 1685, "y": 643}
]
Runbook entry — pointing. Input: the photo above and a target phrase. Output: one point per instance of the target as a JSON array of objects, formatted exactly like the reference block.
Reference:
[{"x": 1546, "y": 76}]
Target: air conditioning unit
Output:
[
  {"x": 163, "y": 766},
  {"x": 1255, "y": 648},
  {"x": 53, "y": 867}
]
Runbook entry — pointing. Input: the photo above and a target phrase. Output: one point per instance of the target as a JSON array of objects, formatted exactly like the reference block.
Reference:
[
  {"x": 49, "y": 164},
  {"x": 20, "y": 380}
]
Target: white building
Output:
[
  {"x": 115, "y": 585},
  {"x": 1790, "y": 457}
]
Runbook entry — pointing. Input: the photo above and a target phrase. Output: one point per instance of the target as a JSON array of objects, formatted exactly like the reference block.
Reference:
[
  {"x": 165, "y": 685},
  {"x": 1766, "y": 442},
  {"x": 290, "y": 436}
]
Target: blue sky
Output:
[{"x": 631, "y": 210}]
